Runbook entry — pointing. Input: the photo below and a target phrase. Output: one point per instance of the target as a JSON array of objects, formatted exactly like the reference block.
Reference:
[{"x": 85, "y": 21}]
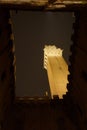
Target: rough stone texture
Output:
[
  {"x": 39, "y": 116},
  {"x": 78, "y": 70},
  {"x": 6, "y": 72}
]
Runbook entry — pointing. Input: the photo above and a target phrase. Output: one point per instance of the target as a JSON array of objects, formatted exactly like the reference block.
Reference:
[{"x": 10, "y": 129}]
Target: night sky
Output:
[{"x": 32, "y": 31}]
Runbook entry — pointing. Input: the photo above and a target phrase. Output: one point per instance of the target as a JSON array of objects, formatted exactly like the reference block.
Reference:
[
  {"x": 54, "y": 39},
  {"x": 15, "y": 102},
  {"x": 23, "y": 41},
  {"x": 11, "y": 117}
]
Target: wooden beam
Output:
[
  {"x": 39, "y": 2},
  {"x": 51, "y": 1},
  {"x": 43, "y": 4},
  {"x": 22, "y": 2}
]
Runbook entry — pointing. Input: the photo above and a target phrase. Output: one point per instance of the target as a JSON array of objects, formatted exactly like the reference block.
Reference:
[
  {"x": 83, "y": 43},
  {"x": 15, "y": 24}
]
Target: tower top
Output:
[{"x": 51, "y": 51}]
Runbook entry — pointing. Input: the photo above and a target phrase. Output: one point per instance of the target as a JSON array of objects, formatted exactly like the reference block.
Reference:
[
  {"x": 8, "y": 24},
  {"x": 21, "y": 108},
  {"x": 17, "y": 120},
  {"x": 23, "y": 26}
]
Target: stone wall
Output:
[{"x": 6, "y": 66}]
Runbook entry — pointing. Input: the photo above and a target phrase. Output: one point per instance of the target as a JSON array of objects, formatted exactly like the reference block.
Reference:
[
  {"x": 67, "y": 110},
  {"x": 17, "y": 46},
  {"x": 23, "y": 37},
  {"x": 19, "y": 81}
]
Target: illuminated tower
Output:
[{"x": 57, "y": 70}]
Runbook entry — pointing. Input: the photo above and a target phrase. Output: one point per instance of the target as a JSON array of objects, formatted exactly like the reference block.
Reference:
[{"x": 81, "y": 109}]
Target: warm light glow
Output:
[
  {"x": 74, "y": 2},
  {"x": 57, "y": 70},
  {"x": 32, "y": 2},
  {"x": 55, "y": 6},
  {"x": 51, "y": 50}
]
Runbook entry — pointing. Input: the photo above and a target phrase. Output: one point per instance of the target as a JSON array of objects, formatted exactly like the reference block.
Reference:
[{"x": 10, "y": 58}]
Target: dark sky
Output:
[{"x": 32, "y": 31}]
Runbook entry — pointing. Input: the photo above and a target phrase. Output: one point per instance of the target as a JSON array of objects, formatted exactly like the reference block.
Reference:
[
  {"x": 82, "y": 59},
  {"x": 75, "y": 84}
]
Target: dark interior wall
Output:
[{"x": 32, "y": 31}]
